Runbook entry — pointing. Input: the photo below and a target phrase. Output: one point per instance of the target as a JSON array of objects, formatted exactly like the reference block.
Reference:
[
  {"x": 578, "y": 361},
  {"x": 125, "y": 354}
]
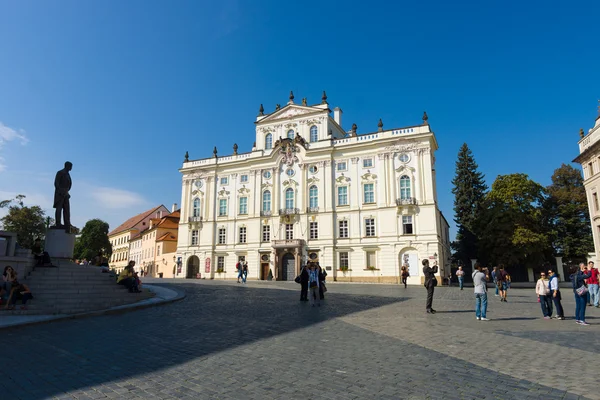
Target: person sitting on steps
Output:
[
  {"x": 127, "y": 278},
  {"x": 19, "y": 291}
]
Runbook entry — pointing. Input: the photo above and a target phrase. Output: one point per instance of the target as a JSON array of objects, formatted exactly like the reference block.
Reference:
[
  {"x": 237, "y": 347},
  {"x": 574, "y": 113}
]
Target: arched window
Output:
[
  {"x": 268, "y": 141},
  {"x": 266, "y": 201},
  {"x": 196, "y": 208},
  {"x": 289, "y": 198},
  {"x": 314, "y": 134},
  {"x": 290, "y": 134},
  {"x": 405, "y": 187},
  {"x": 313, "y": 197}
]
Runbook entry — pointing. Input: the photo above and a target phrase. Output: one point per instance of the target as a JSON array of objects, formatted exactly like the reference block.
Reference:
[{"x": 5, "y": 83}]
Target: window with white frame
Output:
[
  {"x": 369, "y": 227},
  {"x": 371, "y": 258},
  {"x": 368, "y": 193},
  {"x": 220, "y": 263},
  {"x": 367, "y": 163},
  {"x": 266, "y": 201},
  {"x": 342, "y": 192},
  {"x": 224, "y": 180},
  {"x": 244, "y": 179},
  {"x": 313, "y": 196},
  {"x": 314, "y": 230},
  {"x": 314, "y": 134},
  {"x": 289, "y": 231},
  {"x": 196, "y": 208},
  {"x": 195, "y": 237},
  {"x": 266, "y": 233},
  {"x": 243, "y": 205},
  {"x": 341, "y": 166},
  {"x": 268, "y": 141},
  {"x": 344, "y": 264},
  {"x": 222, "y": 207},
  {"x": 289, "y": 198},
  {"x": 242, "y": 234},
  {"x": 343, "y": 228},
  {"x": 222, "y": 236},
  {"x": 290, "y": 134},
  {"x": 407, "y": 224},
  {"x": 404, "y": 187}
]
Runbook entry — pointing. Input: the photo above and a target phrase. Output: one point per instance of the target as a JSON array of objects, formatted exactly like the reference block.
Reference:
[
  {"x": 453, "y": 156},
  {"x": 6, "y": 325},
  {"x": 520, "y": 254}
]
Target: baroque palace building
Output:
[{"x": 362, "y": 205}]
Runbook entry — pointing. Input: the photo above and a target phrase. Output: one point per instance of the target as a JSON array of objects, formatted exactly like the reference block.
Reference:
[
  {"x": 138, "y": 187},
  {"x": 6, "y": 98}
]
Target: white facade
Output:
[
  {"x": 359, "y": 204},
  {"x": 589, "y": 158}
]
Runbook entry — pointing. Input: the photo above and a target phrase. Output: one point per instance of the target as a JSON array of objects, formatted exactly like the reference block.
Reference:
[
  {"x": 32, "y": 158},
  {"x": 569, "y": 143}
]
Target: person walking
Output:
[
  {"x": 430, "y": 284},
  {"x": 313, "y": 285},
  {"x": 593, "y": 285},
  {"x": 322, "y": 277},
  {"x": 304, "y": 284},
  {"x": 501, "y": 282},
  {"x": 578, "y": 276},
  {"x": 544, "y": 296},
  {"x": 404, "y": 274},
  {"x": 240, "y": 271},
  {"x": 555, "y": 293},
  {"x": 494, "y": 271},
  {"x": 480, "y": 278},
  {"x": 460, "y": 274},
  {"x": 244, "y": 272}
]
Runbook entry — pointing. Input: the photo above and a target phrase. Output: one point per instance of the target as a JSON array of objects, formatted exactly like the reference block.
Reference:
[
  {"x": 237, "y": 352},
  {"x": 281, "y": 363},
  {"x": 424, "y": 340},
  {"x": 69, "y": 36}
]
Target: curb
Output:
[{"x": 142, "y": 304}]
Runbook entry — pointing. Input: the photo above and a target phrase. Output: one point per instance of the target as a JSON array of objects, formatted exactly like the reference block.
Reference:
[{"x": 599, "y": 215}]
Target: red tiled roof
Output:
[
  {"x": 133, "y": 221},
  {"x": 169, "y": 237}
]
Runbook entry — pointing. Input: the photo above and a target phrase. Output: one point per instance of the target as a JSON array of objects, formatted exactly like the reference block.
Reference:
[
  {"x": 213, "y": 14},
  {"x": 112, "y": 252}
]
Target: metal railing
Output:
[
  {"x": 265, "y": 213},
  {"x": 194, "y": 219},
  {"x": 312, "y": 210},
  {"x": 406, "y": 201},
  {"x": 289, "y": 211}
]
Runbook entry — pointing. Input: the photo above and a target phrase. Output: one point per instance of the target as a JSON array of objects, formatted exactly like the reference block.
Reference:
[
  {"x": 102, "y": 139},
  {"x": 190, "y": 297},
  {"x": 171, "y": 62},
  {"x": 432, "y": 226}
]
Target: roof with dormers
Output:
[{"x": 133, "y": 221}]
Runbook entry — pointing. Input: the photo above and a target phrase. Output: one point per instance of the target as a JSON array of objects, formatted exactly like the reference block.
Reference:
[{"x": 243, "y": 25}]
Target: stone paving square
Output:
[{"x": 258, "y": 341}]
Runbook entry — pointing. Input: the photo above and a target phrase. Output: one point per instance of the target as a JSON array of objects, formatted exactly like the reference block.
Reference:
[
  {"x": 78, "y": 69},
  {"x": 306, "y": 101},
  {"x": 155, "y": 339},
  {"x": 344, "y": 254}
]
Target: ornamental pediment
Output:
[
  {"x": 290, "y": 111},
  {"x": 290, "y": 182},
  {"x": 243, "y": 191},
  {"x": 369, "y": 177},
  {"x": 342, "y": 180},
  {"x": 312, "y": 180},
  {"x": 266, "y": 185},
  {"x": 223, "y": 193},
  {"x": 405, "y": 169},
  {"x": 197, "y": 192}
]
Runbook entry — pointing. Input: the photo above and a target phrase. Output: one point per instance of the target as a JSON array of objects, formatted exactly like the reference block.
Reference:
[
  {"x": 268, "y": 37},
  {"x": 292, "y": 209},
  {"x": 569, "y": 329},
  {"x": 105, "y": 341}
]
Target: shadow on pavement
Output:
[{"x": 70, "y": 355}]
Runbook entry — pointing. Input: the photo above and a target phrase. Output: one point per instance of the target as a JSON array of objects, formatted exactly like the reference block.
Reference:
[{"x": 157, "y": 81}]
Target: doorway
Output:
[
  {"x": 193, "y": 267},
  {"x": 288, "y": 267},
  {"x": 264, "y": 271}
]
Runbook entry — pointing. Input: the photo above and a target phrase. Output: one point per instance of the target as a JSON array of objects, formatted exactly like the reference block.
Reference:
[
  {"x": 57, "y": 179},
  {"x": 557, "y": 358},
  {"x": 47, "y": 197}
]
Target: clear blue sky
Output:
[{"x": 123, "y": 88}]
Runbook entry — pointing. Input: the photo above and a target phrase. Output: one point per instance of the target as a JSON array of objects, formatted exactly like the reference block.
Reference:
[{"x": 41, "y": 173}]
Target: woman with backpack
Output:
[
  {"x": 578, "y": 276},
  {"x": 404, "y": 274}
]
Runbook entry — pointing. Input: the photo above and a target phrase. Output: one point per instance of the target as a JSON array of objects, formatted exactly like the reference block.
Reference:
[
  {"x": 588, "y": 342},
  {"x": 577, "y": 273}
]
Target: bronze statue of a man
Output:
[{"x": 62, "y": 185}]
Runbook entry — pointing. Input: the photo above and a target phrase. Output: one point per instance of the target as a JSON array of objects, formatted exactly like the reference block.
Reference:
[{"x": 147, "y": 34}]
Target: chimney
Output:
[
  {"x": 337, "y": 115},
  {"x": 174, "y": 207}
]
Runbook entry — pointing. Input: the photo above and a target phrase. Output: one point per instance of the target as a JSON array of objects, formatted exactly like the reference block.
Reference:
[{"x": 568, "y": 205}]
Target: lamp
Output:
[
  {"x": 435, "y": 255},
  {"x": 174, "y": 258}
]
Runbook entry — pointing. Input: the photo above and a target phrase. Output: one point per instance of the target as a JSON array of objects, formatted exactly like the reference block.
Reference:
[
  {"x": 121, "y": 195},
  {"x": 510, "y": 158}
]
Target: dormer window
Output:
[{"x": 290, "y": 134}]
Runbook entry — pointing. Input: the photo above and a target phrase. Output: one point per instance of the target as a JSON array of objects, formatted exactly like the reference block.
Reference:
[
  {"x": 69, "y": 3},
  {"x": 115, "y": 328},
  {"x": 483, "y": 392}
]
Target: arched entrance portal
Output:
[
  {"x": 193, "y": 267},
  {"x": 288, "y": 267}
]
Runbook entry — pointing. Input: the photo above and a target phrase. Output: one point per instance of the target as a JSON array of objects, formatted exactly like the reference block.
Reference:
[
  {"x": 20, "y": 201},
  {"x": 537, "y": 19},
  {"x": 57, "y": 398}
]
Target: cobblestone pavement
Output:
[{"x": 257, "y": 341}]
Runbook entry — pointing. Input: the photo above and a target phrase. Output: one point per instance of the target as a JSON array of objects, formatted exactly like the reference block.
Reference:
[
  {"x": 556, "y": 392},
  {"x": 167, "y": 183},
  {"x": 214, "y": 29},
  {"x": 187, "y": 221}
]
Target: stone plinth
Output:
[{"x": 59, "y": 244}]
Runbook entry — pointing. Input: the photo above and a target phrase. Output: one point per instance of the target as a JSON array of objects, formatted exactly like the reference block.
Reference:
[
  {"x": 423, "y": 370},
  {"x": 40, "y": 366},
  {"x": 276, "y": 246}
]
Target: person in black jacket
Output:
[
  {"x": 430, "y": 284},
  {"x": 322, "y": 277},
  {"x": 304, "y": 284}
]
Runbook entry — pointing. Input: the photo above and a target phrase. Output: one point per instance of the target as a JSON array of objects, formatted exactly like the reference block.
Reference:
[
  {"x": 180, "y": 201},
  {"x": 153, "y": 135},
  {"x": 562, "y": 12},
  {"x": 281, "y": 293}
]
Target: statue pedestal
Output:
[{"x": 59, "y": 244}]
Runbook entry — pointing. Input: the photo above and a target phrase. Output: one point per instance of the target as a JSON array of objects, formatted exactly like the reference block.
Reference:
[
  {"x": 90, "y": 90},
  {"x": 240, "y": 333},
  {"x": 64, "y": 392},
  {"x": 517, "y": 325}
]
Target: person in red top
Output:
[{"x": 593, "y": 285}]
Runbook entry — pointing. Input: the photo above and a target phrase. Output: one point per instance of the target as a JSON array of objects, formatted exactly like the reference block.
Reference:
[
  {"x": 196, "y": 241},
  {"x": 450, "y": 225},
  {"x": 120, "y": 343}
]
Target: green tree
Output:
[
  {"x": 511, "y": 227},
  {"x": 28, "y": 223},
  {"x": 93, "y": 240},
  {"x": 567, "y": 214},
  {"x": 469, "y": 192}
]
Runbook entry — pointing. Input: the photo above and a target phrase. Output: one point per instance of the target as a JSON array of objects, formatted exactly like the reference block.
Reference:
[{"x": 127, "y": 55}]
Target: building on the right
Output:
[{"x": 589, "y": 158}]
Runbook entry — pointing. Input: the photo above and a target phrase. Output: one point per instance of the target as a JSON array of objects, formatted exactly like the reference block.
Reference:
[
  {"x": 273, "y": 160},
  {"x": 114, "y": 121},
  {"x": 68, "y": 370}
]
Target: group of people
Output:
[
  {"x": 129, "y": 278},
  {"x": 312, "y": 281},
  {"x": 242, "y": 269},
  {"x": 13, "y": 290}
]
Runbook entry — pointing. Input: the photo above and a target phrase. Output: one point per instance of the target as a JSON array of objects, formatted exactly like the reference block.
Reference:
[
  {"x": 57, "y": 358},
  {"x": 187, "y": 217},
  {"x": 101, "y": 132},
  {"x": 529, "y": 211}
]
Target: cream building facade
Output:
[
  {"x": 362, "y": 205},
  {"x": 589, "y": 158}
]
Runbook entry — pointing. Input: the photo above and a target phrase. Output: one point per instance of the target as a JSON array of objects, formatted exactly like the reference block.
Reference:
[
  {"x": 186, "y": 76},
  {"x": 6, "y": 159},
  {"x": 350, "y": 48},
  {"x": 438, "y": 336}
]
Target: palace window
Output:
[
  {"x": 371, "y": 259},
  {"x": 342, "y": 195},
  {"x": 266, "y": 233},
  {"x": 343, "y": 228},
  {"x": 268, "y": 141},
  {"x": 196, "y": 208},
  {"x": 314, "y": 134},
  {"x": 595, "y": 196},
  {"x": 243, "y": 205},
  {"x": 222, "y": 236},
  {"x": 407, "y": 225},
  {"x": 369, "y": 227},
  {"x": 195, "y": 237},
  {"x": 367, "y": 163},
  {"x": 266, "y": 201},
  {"x": 405, "y": 187},
  {"x": 314, "y": 230},
  {"x": 220, "y": 263},
  {"x": 344, "y": 261},
  {"x": 341, "y": 166},
  {"x": 222, "y": 207},
  {"x": 244, "y": 179},
  {"x": 404, "y": 158},
  {"x": 368, "y": 193},
  {"x": 289, "y": 198},
  {"x": 290, "y": 134},
  {"x": 289, "y": 231},
  {"x": 313, "y": 169},
  {"x": 313, "y": 196},
  {"x": 242, "y": 234},
  {"x": 224, "y": 180}
]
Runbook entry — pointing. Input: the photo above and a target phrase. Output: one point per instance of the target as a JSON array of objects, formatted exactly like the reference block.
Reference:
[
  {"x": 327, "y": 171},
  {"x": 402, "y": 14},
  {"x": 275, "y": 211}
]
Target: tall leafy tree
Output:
[
  {"x": 93, "y": 240},
  {"x": 567, "y": 214},
  {"x": 469, "y": 192},
  {"x": 28, "y": 223},
  {"x": 511, "y": 228}
]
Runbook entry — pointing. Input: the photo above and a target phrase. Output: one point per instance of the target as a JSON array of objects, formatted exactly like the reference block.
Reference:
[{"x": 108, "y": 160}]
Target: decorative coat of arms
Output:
[{"x": 288, "y": 151}]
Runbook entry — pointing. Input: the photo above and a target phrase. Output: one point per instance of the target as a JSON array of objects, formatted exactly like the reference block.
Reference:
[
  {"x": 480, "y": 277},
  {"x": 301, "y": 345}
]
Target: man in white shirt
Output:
[
  {"x": 460, "y": 274},
  {"x": 480, "y": 278}
]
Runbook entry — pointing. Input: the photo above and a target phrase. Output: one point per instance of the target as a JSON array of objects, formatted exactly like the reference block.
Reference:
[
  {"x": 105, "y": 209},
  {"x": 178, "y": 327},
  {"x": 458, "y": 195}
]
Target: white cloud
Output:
[
  {"x": 8, "y": 134},
  {"x": 116, "y": 198}
]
